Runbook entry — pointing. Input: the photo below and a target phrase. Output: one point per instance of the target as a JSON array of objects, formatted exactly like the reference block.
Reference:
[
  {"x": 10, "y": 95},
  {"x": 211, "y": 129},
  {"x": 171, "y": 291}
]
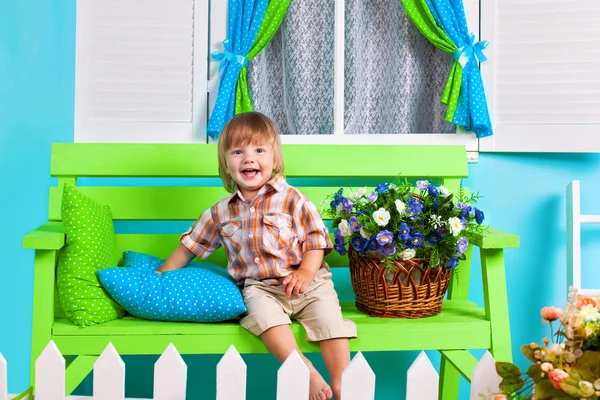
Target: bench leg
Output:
[
  {"x": 496, "y": 302},
  {"x": 449, "y": 380},
  {"x": 77, "y": 371}
]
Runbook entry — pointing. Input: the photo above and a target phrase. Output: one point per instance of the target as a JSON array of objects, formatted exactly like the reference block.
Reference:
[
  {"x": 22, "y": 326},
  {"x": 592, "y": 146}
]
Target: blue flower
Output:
[
  {"x": 443, "y": 231},
  {"x": 416, "y": 240},
  {"x": 354, "y": 224},
  {"x": 388, "y": 249},
  {"x": 452, "y": 263},
  {"x": 433, "y": 238},
  {"x": 404, "y": 233},
  {"x": 479, "y": 216},
  {"x": 415, "y": 205},
  {"x": 347, "y": 205},
  {"x": 465, "y": 211},
  {"x": 432, "y": 190},
  {"x": 384, "y": 237},
  {"x": 382, "y": 187},
  {"x": 339, "y": 247},
  {"x": 337, "y": 199},
  {"x": 338, "y": 237},
  {"x": 423, "y": 185},
  {"x": 460, "y": 204},
  {"x": 359, "y": 243},
  {"x": 372, "y": 197},
  {"x": 435, "y": 205},
  {"x": 462, "y": 245},
  {"x": 373, "y": 245}
]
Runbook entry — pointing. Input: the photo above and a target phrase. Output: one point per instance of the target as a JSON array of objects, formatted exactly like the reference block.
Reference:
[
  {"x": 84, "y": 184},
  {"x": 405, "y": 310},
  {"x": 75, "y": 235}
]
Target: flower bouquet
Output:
[
  {"x": 403, "y": 242},
  {"x": 566, "y": 365}
]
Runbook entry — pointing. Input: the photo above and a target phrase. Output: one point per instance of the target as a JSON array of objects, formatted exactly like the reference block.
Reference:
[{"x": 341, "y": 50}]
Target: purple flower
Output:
[
  {"x": 416, "y": 240},
  {"x": 338, "y": 237},
  {"x": 384, "y": 237},
  {"x": 443, "y": 231},
  {"x": 432, "y": 190},
  {"x": 359, "y": 243},
  {"x": 422, "y": 185},
  {"x": 372, "y": 197},
  {"x": 388, "y": 249},
  {"x": 452, "y": 263},
  {"x": 382, "y": 187},
  {"x": 404, "y": 233},
  {"x": 462, "y": 245},
  {"x": 354, "y": 224},
  {"x": 460, "y": 204},
  {"x": 347, "y": 205},
  {"x": 479, "y": 216}
]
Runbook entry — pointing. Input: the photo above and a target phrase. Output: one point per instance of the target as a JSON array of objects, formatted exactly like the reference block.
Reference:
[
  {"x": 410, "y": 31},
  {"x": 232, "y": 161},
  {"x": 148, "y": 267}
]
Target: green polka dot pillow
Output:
[{"x": 90, "y": 247}]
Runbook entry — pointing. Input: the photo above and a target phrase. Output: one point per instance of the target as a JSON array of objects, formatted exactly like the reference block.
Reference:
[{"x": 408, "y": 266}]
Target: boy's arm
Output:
[
  {"x": 297, "y": 281},
  {"x": 178, "y": 259}
]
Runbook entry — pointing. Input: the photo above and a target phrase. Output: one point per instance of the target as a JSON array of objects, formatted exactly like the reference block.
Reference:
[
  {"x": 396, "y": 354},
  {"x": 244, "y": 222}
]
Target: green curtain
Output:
[
  {"x": 273, "y": 17},
  {"x": 420, "y": 15}
]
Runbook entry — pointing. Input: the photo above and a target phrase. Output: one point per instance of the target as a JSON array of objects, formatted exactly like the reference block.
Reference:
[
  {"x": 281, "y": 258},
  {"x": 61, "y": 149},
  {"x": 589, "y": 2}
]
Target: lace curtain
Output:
[{"x": 393, "y": 76}]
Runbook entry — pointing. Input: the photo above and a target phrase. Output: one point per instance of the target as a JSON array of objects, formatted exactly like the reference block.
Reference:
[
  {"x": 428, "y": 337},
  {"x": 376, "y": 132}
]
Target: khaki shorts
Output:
[{"x": 317, "y": 309}]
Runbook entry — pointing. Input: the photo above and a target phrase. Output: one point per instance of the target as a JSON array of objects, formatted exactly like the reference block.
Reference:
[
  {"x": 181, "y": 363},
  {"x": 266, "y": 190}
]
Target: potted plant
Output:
[
  {"x": 403, "y": 243},
  {"x": 567, "y": 364}
]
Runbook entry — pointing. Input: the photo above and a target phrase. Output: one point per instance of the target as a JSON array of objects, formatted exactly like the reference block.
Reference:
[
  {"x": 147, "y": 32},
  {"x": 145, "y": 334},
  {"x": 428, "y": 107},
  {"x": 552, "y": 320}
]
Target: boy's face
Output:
[{"x": 250, "y": 166}]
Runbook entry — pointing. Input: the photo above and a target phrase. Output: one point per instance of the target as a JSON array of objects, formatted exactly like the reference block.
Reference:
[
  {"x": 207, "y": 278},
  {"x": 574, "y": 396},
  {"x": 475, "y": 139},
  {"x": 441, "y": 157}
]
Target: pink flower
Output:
[
  {"x": 584, "y": 301},
  {"x": 551, "y": 313},
  {"x": 556, "y": 376},
  {"x": 500, "y": 397}
]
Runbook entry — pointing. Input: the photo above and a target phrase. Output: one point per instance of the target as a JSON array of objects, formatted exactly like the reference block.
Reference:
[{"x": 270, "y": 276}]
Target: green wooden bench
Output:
[{"x": 461, "y": 325}]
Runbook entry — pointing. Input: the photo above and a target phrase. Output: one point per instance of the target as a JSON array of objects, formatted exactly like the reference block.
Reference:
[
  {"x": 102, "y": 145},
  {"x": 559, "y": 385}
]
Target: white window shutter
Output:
[
  {"x": 141, "y": 71},
  {"x": 543, "y": 75}
]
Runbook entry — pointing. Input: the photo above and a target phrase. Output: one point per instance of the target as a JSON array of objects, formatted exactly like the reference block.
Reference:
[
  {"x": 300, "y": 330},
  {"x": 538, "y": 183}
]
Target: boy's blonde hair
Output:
[{"x": 243, "y": 129}]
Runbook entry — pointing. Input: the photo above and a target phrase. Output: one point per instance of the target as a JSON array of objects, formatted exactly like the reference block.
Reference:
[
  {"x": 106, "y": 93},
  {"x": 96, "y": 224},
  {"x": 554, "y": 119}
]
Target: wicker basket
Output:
[{"x": 410, "y": 290}]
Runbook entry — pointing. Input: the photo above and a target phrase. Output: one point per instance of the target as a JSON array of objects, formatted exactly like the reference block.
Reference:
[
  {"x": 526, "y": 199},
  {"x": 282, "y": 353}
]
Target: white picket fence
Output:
[{"x": 170, "y": 374}]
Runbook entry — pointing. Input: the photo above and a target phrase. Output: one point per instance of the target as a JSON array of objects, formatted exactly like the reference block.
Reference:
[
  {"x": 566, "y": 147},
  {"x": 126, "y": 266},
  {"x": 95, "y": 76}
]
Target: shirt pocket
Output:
[
  {"x": 278, "y": 231},
  {"x": 231, "y": 232}
]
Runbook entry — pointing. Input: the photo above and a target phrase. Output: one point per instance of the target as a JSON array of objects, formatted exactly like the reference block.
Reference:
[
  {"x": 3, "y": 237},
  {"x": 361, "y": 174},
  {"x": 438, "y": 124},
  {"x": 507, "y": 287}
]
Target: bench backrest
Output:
[{"x": 158, "y": 182}]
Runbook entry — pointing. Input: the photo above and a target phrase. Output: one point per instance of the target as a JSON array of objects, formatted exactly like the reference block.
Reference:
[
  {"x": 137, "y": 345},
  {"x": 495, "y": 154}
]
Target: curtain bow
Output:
[
  {"x": 464, "y": 53},
  {"x": 227, "y": 56}
]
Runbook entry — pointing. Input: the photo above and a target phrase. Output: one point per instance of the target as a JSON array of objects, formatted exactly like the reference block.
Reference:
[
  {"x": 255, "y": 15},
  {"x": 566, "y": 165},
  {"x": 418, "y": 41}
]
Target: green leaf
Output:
[
  {"x": 545, "y": 390},
  {"x": 511, "y": 385},
  {"x": 528, "y": 353},
  {"x": 589, "y": 359},
  {"x": 571, "y": 387},
  {"x": 534, "y": 371},
  {"x": 508, "y": 370}
]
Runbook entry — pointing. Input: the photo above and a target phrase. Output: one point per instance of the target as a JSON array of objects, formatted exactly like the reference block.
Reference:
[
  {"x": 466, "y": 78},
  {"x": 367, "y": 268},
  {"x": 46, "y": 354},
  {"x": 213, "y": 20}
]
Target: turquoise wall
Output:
[{"x": 523, "y": 194}]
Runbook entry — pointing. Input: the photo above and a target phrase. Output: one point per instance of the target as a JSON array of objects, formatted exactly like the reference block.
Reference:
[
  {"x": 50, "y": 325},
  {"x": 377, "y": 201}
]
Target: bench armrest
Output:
[
  {"x": 497, "y": 239},
  {"x": 50, "y": 236}
]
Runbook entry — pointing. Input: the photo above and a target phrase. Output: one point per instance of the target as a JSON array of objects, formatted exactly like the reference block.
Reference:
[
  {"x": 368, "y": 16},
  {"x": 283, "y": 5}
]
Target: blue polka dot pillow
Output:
[{"x": 200, "y": 292}]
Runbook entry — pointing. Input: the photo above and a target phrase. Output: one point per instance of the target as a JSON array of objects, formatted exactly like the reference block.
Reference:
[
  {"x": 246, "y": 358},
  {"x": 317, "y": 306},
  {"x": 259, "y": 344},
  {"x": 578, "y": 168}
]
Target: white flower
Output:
[
  {"x": 355, "y": 196},
  {"x": 339, "y": 208},
  {"x": 436, "y": 221},
  {"x": 381, "y": 216},
  {"x": 443, "y": 190},
  {"x": 364, "y": 234},
  {"x": 400, "y": 206},
  {"x": 455, "y": 225},
  {"x": 547, "y": 367},
  {"x": 586, "y": 388},
  {"x": 344, "y": 228},
  {"x": 408, "y": 254},
  {"x": 590, "y": 313}
]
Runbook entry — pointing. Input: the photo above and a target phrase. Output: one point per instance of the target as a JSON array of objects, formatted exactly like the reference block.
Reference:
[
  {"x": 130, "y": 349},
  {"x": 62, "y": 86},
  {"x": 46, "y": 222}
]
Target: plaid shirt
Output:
[{"x": 265, "y": 238}]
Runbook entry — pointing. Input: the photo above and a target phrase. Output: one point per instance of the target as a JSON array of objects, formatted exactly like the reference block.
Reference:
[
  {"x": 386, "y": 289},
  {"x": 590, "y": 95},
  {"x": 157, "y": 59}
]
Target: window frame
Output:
[{"x": 218, "y": 32}]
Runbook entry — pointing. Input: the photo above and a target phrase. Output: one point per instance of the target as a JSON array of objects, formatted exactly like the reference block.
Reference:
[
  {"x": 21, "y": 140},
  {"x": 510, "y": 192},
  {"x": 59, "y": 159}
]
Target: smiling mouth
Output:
[{"x": 250, "y": 172}]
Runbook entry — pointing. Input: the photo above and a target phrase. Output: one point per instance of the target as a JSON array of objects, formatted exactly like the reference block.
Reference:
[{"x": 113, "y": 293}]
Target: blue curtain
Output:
[
  {"x": 245, "y": 19},
  {"x": 472, "y": 110}
]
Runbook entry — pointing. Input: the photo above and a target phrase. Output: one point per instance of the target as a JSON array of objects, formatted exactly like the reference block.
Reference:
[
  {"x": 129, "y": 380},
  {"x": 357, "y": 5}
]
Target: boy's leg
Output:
[
  {"x": 336, "y": 354},
  {"x": 280, "y": 341}
]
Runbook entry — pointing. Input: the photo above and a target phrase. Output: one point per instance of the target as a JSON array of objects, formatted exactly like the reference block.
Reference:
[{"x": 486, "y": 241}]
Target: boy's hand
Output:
[{"x": 297, "y": 282}]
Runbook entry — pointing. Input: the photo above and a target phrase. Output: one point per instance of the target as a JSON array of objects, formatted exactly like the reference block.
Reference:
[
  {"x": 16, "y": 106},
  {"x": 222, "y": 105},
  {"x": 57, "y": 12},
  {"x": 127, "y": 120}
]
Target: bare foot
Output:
[{"x": 319, "y": 389}]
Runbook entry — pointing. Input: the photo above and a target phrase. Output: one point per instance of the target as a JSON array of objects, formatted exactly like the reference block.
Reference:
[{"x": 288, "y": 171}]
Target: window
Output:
[
  {"x": 542, "y": 79},
  {"x": 340, "y": 123},
  {"x": 141, "y": 71}
]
